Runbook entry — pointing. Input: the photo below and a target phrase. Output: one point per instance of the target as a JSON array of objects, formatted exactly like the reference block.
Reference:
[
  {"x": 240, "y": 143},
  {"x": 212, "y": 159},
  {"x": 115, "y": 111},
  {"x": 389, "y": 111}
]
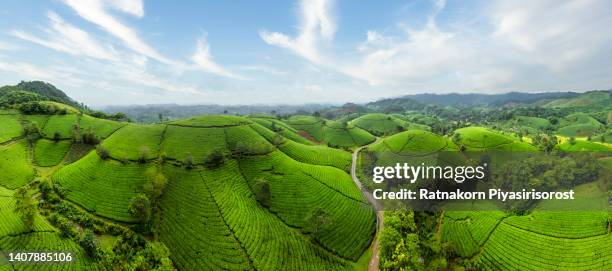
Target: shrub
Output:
[
  {"x": 214, "y": 159},
  {"x": 189, "y": 161},
  {"x": 143, "y": 154},
  {"x": 102, "y": 152},
  {"x": 140, "y": 208},
  {"x": 262, "y": 192},
  {"x": 89, "y": 243}
]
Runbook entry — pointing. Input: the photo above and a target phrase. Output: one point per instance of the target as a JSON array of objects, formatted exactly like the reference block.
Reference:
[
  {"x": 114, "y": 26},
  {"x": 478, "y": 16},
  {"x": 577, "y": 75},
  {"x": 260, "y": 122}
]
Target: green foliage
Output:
[
  {"x": 11, "y": 128},
  {"x": 127, "y": 142},
  {"x": 64, "y": 125},
  {"x": 26, "y": 207},
  {"x": 105, "y": 187},
  {"x": 16, "y": 96},
  {"x": 382, "y": 124},
  {"x": 50, "y": 153},
  {"x": 333, "y": 133},
  {"x": 14, "y": 165},
  {"x": 140, "y": 208}
]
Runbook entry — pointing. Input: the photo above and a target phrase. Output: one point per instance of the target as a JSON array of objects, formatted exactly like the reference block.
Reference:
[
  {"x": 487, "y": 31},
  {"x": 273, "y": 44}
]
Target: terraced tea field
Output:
[
  {"x": 333, "y": 133},
  {"x": 11, "y": 128},
  {"x": 384, "y": 125},
  {"x": 50, "y": 153},
  {"x": 479, "y": 139},
  {"x": 14, "y": 165}
]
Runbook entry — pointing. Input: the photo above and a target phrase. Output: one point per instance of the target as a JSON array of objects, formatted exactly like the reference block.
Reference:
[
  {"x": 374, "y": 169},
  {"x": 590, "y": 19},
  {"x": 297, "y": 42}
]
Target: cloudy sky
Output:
[{"x": 105, "y": 52}]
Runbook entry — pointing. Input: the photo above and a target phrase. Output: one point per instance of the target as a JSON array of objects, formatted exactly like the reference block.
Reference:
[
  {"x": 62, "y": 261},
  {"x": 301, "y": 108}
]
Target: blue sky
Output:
[{"x": 105, "y": 52}]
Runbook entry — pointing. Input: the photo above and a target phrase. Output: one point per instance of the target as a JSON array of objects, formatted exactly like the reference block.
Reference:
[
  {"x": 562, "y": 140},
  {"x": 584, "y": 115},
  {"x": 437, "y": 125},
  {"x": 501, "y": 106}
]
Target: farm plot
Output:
[
  {"x": 11, "y": 223},
  {"x": 283, "y": 129},
  {"x": 11, "y": 127},
  {"x": 511, "y": 247},
  {"x": 270, "y": 243},
  {"x": 563, "y": 224},
  {"x": 179, "y": 142},
  {"x": 100, "y": 127},
  {"x": 189, "y": 210},
  {"x": 46, "y": 241},
  {"x": 49, "y": 153},
  {"x": 579, "y": 124},
  {"x": 317, "y": 155},
  {"x": 581, "y": 145},
  {"x": 14, "y": 165},
  {"x": 39, "y": 120},
  {"x": 133, "y": 139},
  {"x": 382, "y": 124},
  {"x": 103, "y": 187},
  {"x": 62, "y": 125},
  {"x": 480, "y": 139},
  {"x": 212, "y": 121},
  {"x": 300, "y": 190},
  {"x": 245, "y": 140}
]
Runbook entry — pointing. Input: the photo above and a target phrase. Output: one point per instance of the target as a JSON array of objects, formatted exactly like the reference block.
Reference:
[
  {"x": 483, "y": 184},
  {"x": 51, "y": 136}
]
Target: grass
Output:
[
  {"x": 383, "y": 124},
  {"x": 49, "y": 153},
  {"x": 179, "y": 142},
  {"x": 102, "y": 187},
  {"x": 15, "y": 167},
  {"x": 583, "y": 145},
  {"x": 332, "y": 133},
  {"x": 282, "y": 128},
  {"x": 63, "y": 125},
  {"x": 129, "y": 141},
  {"x": 579, "y": 124},
  {"x": 212, "y": 121},
  {"x": 46, "y": 241},
  {"x": 11, "y": 127},
  {"x": 480, "y": 139},
  {"x": 100, "y": 127},
  {"x": 300, "y": 189}
]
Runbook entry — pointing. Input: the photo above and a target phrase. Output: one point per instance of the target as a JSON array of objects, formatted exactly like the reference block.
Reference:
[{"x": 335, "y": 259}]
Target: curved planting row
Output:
[
  {"x": 270, "y": 244},
  {"x": 514, "y": 248},
  {"x": 11, "y": 127},
  {"x": 11, "y": 223},
  {"x": 563, "y": 224},
  {"x": 382, "y": 124},
  {"x": 193, "y": 227},
  {"x": 282, "y": 128},
  {"x": 457, "y": 232},
  {"x": 60, "y": 126},
  {"x": 300, "y": 190},
  {"x": 102, "y": 128},
  {"x": 180, "y": 142},
  {"x": 105, "y": 187},
  {"x": 15, "y": 169},
  {"x": 480, "y": 138},
  {"x": 46, "y": 241},
  {"x": 134, "y": 140},
  {"x": 50, "y": 153}
]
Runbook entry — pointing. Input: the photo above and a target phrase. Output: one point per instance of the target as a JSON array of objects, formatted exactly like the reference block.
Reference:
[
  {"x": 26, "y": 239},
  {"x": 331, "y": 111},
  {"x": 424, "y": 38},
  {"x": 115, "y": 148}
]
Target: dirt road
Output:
[{"x": 373, "y": 264}]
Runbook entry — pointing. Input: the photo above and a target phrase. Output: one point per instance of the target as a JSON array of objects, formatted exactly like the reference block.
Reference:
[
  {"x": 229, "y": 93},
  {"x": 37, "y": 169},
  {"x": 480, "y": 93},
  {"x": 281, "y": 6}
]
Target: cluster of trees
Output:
[{"x": 409, "y": 242}]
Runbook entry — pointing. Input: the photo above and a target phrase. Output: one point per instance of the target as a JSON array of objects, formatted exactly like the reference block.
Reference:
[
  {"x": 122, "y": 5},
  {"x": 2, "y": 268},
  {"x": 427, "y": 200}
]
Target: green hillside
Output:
[
  {"x": 479, "y": 139},
  {"x": 236, "y": 231},
  {"x": 579, "y": 124},
  {"x": 332, "y": 133},
  {"x": 593, "y": 99},
  {"x": 382, "y": 124}
]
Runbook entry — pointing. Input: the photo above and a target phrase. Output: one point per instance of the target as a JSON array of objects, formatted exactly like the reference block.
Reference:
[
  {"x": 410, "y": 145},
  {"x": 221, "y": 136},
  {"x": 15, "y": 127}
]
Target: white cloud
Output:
[
  {"x": 96, "y": 11},
  {"x": 67, "y": 38},
  {"x": 316, "y": 24},
  {"x": 203, "y": 60}
]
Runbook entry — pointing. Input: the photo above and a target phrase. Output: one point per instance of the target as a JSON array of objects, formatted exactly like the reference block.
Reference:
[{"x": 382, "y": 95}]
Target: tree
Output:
[
  {"x": 26, "y": 207},
  {"x": 316, "y": 114},
  {"x": 189, "y": 161},
  {"x": 316, "y": 221},
  {"x": 262, "y": 192},
  {"x": 160, "y": 116},
  {"x": 140, "y": 208},
  {"x": 89, "y": 243},
  {"x": 456, "y": 138},
  {"x": 278, "y": 140},
  {"x": 156, "y": 186},
  {"x": 572, "y": 140},
  {"x": 143, "y": 154},
  {"x": 102, "y": 152},
  {"x": 214, "y": 159}
]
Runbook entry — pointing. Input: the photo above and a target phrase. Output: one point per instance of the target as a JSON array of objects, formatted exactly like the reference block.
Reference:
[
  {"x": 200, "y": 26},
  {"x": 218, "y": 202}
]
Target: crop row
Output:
[
  {"x": 11, "y": 127},
  {"x": 15, "y": 169},
  {"x": 457, "y": 232},
  {"x": 299, "y": 190},
  {"x": 46, "y": 242},
  {"x": 193, "y": 228},
  {"x": 271, "y": 244},
  {"x": 105, "y": 187},
  {"x": 11, "y": 224},
  {"x": 513, "y": 248},
  {"x": 563, "y": 224},
  {"x": 50, "y": 153}
]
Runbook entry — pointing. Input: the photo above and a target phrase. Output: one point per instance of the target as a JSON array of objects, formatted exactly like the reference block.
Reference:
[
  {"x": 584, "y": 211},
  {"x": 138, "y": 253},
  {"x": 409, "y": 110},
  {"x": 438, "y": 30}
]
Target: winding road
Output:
[{"x": 374, "y": 261}]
